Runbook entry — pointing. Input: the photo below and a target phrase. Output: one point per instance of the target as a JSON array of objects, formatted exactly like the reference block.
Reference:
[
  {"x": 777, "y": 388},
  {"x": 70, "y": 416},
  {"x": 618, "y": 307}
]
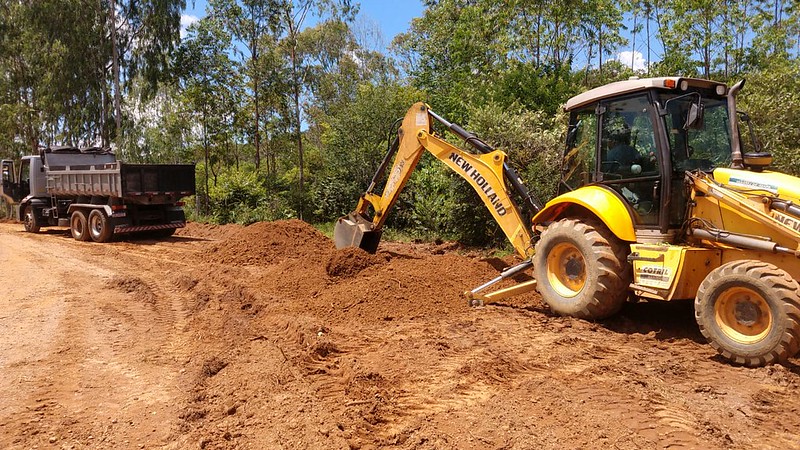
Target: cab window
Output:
[
  {"x": 629, "y": 161},
  {"x": 704, "y": 148},
  {"x": 25, "y": 171},
  {"x": 579, "y": 159}
]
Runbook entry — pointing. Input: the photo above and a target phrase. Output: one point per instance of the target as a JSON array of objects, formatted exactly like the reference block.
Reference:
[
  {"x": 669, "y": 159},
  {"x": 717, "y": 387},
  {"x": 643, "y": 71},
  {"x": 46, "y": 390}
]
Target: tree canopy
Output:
[{"x": 287, "y": 106}]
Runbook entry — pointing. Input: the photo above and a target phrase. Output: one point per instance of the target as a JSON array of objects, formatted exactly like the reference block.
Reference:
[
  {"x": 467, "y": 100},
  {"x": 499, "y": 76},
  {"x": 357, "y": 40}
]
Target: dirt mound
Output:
[
  {"x": 396, "y": 286},
  {"x": 208, "y": 230},
  {"x": 133, "y": 285},
  {"x": 348, "y": 262},
  {"x": 267, "y": 337},
  {"x": 269, "y": 242}
]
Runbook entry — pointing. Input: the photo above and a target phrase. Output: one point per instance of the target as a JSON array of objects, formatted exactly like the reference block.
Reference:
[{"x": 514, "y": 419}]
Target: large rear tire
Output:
[
  {"x": 78, "y": 226},
  {"x": 30, "y": 221},
  {"x": 581, "y": 269},
  {"x": 99, "y": 226},
  {"x": 750, "y": 312}
]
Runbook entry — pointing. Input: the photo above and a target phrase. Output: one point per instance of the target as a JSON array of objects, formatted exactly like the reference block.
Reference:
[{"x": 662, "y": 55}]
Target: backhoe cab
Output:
[{"x": 660, "y": 198}]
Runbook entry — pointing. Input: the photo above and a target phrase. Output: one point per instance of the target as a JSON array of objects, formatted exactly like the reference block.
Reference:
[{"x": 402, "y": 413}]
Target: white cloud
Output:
[
  {"x": 625, "y": 58},
  {"x": 186, "y": 21}
]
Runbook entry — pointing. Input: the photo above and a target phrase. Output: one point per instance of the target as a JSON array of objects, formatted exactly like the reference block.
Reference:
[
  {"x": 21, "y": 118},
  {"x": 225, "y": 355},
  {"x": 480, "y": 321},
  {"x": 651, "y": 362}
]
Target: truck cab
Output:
[{"x": 22, "y": 184}]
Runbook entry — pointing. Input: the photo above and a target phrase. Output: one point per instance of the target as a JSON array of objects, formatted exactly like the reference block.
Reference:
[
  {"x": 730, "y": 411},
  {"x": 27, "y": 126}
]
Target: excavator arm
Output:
[{"x": 487, "y": 172}]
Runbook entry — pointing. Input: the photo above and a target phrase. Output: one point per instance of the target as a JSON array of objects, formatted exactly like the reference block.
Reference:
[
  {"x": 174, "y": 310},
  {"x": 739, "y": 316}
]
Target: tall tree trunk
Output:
[
  {"x": 647, "y": 24},
  {"x": 589, "y": 58},
  {"x": 728, "y": 32},
  {"x": 633, "y": 39},
  {"x": 539, "y": 37},
  {"x": 707, "y": 46},
  {"x": 115, "y": 74},
  {"x": 256, "y": 82},
  {"x": 206, "y": 158},
  {"x": 600, "y": 49},
  {"x": 298, "y": 134}
]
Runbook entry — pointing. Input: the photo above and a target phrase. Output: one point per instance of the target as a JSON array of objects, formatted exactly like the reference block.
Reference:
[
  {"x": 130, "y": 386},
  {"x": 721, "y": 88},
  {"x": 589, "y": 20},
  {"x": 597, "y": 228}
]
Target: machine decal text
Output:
[
  {"x": 479, "y": 180},
  {"x": 788, "y": 221}
]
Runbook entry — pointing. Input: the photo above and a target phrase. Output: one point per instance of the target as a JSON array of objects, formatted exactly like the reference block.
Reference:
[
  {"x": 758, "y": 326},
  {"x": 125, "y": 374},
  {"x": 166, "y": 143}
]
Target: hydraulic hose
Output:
[{"x": 531, "y": 201}]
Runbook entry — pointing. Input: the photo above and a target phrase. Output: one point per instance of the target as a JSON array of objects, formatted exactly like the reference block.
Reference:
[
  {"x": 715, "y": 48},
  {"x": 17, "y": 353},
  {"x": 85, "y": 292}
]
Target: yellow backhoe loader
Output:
[{"x": 660, "y": 198}]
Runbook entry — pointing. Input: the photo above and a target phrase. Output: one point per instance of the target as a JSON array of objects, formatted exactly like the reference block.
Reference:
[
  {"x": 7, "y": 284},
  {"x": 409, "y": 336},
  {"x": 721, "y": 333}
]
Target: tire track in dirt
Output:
[
  {"x": 112, "y": 362},
  {"x": 287, "y": 343},
  {"x": 388, "y": 356}
]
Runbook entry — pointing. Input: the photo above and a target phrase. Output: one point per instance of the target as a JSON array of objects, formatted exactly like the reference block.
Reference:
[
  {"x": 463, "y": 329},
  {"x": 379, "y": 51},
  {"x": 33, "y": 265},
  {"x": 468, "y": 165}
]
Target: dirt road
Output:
[{"x": 267, "y": 337}]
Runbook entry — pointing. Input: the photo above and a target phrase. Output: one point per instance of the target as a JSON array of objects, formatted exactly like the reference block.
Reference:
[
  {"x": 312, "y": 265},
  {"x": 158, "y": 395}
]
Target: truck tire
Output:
[
  {"x": 581, "y": 269},
  {"x": 30, "y": 221},
  {"x": 750, "y": 312},
  {"x": 78, "y": 226},
  {"x": 99, "y": 226}
]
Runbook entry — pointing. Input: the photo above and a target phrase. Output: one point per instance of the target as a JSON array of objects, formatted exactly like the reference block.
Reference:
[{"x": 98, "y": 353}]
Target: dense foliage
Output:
[{"x": 287, "y": 106}]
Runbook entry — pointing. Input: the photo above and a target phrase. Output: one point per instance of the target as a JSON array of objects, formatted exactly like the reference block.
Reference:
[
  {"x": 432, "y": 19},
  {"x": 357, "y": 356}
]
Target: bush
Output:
[
  {"x": 772, "y": 99},
  {"x": 242, "y": 196}
]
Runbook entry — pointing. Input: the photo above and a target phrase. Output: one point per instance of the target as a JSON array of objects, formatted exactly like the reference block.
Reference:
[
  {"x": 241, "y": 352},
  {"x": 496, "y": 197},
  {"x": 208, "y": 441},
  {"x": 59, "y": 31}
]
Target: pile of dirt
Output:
[
  {"x": 208, "y": 230},
  {"x": 393, "y": 286},
  {"x": 350, "y": 261},
  {"x": 268, "y": 242},
  {"x": 135, "y": 286}
]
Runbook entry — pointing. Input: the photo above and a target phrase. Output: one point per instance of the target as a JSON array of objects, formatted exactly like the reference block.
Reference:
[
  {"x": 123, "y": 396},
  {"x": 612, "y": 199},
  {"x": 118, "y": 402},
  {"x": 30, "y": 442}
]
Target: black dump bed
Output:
[
  {"x": 157, "y": 179},
  {"x": 93, "y": 173}
]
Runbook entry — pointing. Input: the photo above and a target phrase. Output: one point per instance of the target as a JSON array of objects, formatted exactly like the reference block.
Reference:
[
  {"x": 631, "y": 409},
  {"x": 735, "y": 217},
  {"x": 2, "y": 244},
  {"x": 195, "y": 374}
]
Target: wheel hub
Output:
[
  {"x": 566, "y": 269},
  {"x": 743, "y": 315},
  {"x": 746, "y": 313}
]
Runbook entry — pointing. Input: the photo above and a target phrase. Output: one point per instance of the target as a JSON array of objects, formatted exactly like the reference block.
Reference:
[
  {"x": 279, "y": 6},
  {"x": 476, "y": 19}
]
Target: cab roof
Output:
[{"x": 635, "y": 84}]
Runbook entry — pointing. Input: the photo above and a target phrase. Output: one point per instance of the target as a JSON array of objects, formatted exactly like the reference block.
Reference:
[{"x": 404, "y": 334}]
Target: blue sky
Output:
[{"x": 391, "y": 17}]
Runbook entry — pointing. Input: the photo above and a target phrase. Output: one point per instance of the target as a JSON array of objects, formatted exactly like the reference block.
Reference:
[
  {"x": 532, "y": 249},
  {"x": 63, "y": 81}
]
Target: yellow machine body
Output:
[
  {"x": 665, "y": 271},
  {"x": 484, "y": 172},
  {"x": 600, "y": 202},
  {"x": 656, "y": 212}
]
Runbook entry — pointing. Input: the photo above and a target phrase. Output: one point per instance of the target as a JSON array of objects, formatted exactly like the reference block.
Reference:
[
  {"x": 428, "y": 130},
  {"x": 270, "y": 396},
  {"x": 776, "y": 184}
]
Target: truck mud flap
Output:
[{"x": 166, "y": 226}]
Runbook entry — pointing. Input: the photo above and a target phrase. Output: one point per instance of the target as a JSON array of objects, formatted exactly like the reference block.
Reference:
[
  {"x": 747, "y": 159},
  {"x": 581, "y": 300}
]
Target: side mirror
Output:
[
  {"x": 694, "y": 117},
  {"x": 572, "y": 134}
]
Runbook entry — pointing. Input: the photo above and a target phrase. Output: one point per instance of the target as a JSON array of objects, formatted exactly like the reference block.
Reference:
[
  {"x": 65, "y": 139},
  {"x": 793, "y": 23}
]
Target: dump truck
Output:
[
  {"x": 96, "y": 195},
  {"x": 660, "y": 198}
]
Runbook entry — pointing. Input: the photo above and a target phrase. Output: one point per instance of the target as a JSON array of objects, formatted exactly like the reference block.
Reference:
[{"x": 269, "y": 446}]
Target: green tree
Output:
[
  {"x": 208, "y": 79},
  {"x": 143, "y": 34},
  {"x": 293, "y": 15},
  {"x": 256, "y": 24}
]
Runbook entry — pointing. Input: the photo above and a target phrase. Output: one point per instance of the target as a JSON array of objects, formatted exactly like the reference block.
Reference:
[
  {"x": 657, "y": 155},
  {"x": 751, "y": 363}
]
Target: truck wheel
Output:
[
  {"x": 581, "y": 269},
  {"x": 750, "y": 312},
  {"x": 78, "y": 226},
  {"x": 99, "y": 227},
  {"x": 30, "y": 221}
]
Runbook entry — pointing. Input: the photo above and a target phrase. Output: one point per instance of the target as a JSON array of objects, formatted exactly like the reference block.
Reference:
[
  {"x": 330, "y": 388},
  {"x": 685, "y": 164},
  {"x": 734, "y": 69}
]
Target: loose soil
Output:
[{"x": 266, "y": 336}]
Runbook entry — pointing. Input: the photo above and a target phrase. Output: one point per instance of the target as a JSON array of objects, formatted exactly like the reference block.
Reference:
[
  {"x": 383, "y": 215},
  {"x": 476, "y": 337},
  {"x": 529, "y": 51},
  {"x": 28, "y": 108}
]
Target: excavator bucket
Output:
[{"x": 353, "y": 230}]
